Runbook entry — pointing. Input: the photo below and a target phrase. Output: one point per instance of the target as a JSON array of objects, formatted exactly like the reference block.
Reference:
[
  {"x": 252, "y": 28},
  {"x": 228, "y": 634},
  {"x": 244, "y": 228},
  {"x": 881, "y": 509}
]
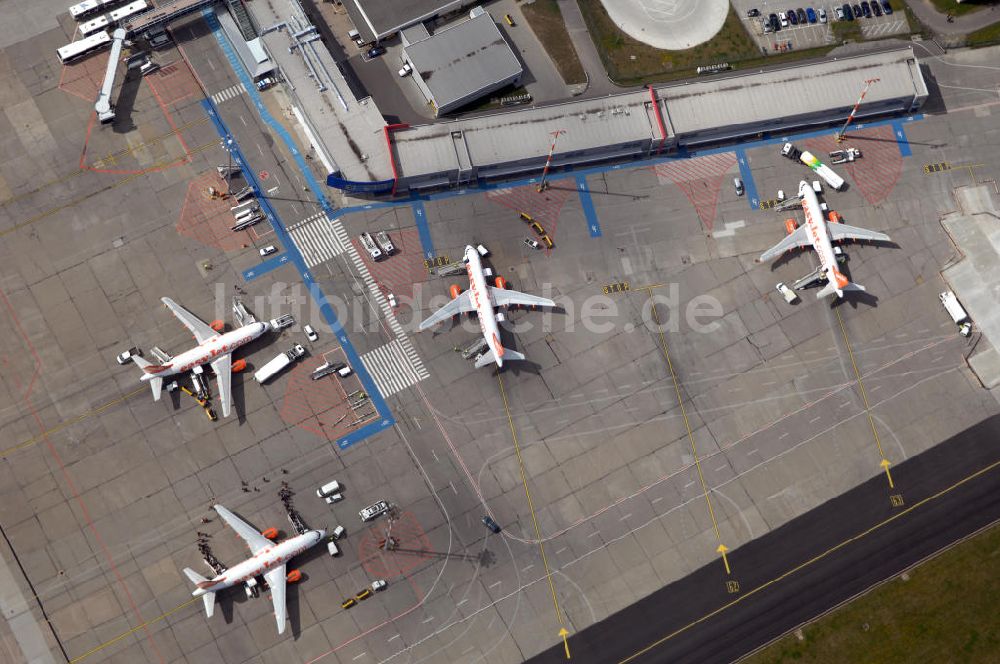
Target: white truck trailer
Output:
[
  {"x": 276, "y": 365},
  {"x": 957, "y": 312}
]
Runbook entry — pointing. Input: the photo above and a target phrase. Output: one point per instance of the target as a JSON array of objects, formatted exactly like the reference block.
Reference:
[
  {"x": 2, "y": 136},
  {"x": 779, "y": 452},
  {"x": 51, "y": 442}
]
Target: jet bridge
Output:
[{"x": 103, "y": 106}]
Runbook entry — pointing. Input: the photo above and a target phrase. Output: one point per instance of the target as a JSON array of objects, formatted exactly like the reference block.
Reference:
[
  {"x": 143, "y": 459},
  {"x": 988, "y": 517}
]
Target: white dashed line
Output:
[
  {"x": 627, "y": 516},
  {"x": 814, "y": 420}
]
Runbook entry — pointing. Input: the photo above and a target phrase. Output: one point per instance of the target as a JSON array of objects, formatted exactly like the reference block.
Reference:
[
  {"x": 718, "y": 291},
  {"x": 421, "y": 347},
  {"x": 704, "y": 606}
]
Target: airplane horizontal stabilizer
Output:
[
  {"x": 149, "y": 369},
  {"x": 832, "y": 288},
  {"x": 209, "y": 600},
  {"x": 489, "y": 358}
]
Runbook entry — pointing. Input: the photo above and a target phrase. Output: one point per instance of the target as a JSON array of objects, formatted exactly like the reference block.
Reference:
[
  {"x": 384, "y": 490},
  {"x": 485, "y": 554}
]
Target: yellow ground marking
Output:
[
  {"x": 70, "y": 422},
  {"x": 534, "y": 519},
  {"x": 76, "y": 201},
  {"x": 113, "y": 156},
  {"x": 722, "y": 548},
  {"x": 132, "y": 631},
  {"x": 815, "y": 559},
  {"x": 884, "y": 463}
]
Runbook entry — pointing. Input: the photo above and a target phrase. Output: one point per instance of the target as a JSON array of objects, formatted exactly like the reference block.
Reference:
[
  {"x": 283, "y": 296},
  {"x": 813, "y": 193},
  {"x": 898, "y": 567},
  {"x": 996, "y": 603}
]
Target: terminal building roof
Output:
[
  {"x": 813, "y": 93},
  {"x": 378, "y": 19}
]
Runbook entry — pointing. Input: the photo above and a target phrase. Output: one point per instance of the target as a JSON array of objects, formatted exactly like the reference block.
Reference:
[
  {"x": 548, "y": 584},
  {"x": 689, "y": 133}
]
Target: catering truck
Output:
[
  {"x": 957, "y": 312},
  {"x": 273, "y": 367}
]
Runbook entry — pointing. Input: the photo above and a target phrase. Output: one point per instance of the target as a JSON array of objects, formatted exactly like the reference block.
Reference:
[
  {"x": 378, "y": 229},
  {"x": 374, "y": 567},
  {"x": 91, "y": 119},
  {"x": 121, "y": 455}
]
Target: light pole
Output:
[{"x": 227, "y": 145}]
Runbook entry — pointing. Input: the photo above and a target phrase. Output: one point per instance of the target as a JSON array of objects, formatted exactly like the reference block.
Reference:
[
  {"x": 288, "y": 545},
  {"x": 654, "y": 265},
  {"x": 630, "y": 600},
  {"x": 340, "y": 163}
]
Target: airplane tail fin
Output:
[
  {"x": 489, "y": 358},
  {"x": 838, "y": 285},
  {"x": 149, "y": 373},
  {"x": 209, "y": 597}
]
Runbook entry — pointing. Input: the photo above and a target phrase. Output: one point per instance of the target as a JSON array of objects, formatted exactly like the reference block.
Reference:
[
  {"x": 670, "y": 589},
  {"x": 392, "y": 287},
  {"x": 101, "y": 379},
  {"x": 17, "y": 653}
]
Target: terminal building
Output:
[
  {"x": 460, "y": 63},
  {"x": 662, "y": 119},
  {"x": 377, "y": 20}
]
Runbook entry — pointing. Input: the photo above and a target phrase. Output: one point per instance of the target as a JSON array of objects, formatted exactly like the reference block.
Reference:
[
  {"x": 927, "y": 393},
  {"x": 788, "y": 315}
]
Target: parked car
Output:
[
  {"x": 811, "y": 14},
  {"x": 839, "y": 13},
  {"x": 405, "y": 70},
  {"x": 792, "y": 18},
  {"x": 375, "y": 51},
  {"x": 268, "y": 250},
  {"x": 738, "y": 186},
  {"x": 848, "y": 13},
  {"x": 857, "y": 11},
  {"x": 773, "y": 20},
  {"x": 310, "y": 332},
  {"x": 753, "y": 12},
  {"x": 265, "y": 83},
  {"x": 337, "y": 532},
  {"x": 126, "y": 356},
  {"x": 801, "y": 15},
  {"x": 531, "y": 243},
  {"x": 866, "y": 10},
  {"x": 334, "y": 498},
  {"x": 379, "y": 584},
  {"x": 822, "y": 15},
  {"x": 886, "y": 7},
  {"x": 491, "y": 524},
  {"x": 876, "y": 8}
]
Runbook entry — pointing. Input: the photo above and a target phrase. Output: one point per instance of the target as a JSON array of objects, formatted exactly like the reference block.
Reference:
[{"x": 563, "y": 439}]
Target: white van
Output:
[
  {"x": 327, "y": 489},
  {"x": 331, "y": 547}
]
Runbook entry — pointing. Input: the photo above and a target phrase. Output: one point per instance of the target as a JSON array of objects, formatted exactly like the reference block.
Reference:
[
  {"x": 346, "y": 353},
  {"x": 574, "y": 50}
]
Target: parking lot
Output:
[{"x": 810, "y": 35}]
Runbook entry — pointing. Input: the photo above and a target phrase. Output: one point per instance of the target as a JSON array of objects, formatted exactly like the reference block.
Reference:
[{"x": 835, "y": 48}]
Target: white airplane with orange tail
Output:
[
  {"x": 483, "y": 299},
  {"x": 267, "y": 558},
  {"x": 214, "y": 347},
  {"x": 820, "y": 234}
]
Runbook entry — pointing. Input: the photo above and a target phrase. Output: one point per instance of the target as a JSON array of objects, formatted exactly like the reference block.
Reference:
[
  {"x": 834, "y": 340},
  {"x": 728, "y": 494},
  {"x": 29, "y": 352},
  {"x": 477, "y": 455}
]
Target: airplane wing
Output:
[
  {"x": 794, "y": 240},
  {"x": 459, "y": 305},
  {"x": 845, "y": 232},
  {"x": 223, "y": 368},
  {"x": 253, "y": 538},
  {"x": 503, "y": 297},
  {"x": 276, "y": 580},
  {"x": 197, "y": 326}
]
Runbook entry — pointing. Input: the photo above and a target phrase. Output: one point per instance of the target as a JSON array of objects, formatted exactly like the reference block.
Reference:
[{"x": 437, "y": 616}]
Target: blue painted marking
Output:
[
  {"x": 901, "y": 140},
  {"x": 593, "y": 225},
  {"x": 747, "y": 175},
  {"x": 420, "y": 216},
  {"x": 297, "y": 259},
  {"x": 267, "y": 266}
]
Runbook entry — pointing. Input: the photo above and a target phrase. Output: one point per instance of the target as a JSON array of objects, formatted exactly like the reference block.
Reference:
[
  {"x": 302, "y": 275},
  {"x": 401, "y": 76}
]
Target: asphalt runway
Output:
[{"x": 811, "y": 564}]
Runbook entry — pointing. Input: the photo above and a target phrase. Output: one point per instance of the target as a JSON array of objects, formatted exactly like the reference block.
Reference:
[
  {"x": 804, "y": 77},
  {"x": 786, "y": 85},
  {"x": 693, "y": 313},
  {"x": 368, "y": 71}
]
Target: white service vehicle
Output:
[
  {"x": 327, "y": 489},
  {"x": 268, "y": 250},
  {"x": 844, "y": 156},
  {"x": 127, "y": 356},
  {"x": 273, "y": 367},
  {"x": 957, "y": 312},
  {"x": 374, "y": 510},
  {"x": 383, "y": 241},
  {"x": 369, "y": 244},
  {"x": 310, "y": 332},
  {"x": 786, "y": 292},
  {"x": 334, "y": 498}
]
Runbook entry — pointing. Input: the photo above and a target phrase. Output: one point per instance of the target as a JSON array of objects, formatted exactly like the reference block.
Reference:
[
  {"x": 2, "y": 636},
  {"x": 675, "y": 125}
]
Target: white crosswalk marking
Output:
[
  {"x": 228, "y": 93},
  {"x": 390, "y": 368},
  {"x": 394, "y": 366},
  {"x": 317, "y": 239}
]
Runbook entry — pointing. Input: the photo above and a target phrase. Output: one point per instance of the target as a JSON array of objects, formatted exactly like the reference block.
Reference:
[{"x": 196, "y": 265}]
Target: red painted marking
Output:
[
  {"x": 700, "y": 178},
  {"x": 263, "y": 175},
  {"x": 69, "y": 480},
  {"x": 546, "y": 207},
  {"x": 878, "y": 170}
]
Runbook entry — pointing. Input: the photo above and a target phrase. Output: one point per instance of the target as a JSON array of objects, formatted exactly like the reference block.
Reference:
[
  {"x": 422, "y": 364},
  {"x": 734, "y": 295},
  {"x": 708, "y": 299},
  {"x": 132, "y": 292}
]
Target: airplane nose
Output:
[{"x": 320, "y": 534}]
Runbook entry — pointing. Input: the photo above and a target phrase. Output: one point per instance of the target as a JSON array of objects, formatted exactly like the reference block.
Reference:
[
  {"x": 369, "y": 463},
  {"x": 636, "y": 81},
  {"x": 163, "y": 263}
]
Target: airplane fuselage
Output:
[
  {"x": 262, "y": 562},
  {"x": 210, "y": 349},
  {"x": 479, "y": 293},
  {"x": 818, "y": 233}
]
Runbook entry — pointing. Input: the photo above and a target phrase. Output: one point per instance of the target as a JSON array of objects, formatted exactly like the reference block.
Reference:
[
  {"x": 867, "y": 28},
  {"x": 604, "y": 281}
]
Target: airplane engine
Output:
[
  {"x": 455, "y": 291},
  {"x": 239, "y": 365},
  {"x": 217, "y": 325},
  {"x": 835, "y": 217},
  {"x": 500, "y": 282},
  {"x": 270, "y": 533},
  {"x": 790, "y": 226},
  {"x": 293, "y": 576}
]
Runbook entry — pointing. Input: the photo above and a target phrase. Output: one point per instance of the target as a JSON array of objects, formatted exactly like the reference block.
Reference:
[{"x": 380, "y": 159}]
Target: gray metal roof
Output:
[
  {"x": 376, "y": 19},
  {"x": 749, "y": 97},
  {"x": 462, "y": 59},
  {"x": 527, "y": 133},
  {"x": 746, "y": 98}
]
